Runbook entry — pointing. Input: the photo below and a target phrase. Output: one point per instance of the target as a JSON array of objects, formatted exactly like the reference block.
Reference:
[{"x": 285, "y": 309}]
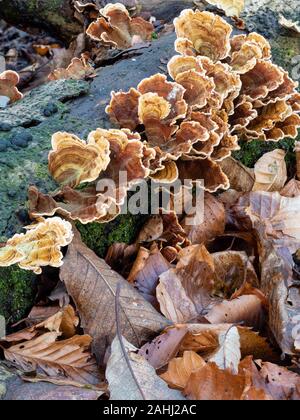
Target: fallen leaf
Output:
[
  {"x": 139, "y": 264},
  {"x": 270, "y": 172},
  {"x": 181, "y": 368},
  {"x": 15, "y": 389},
  {"x": 63, "y": 322},
  {"x": 132, "y": 378},
  {"x": 62, "y": 359},
  {"x": 292, "y": 189},
  {"x": 230, "y": 7},
  {"x": 184, "y": 292},
  {"x": 165, "y": 347},
  {"x": 228, "y": 355},
  {"x": 289, "y": 24},
  {"x": 232, "y": 270},
  {"x": 147, "y": 279},
  {"x": 241, "y": 178},
  {"x": 213, "y": 384},
  {"x": 245, "y": 309},
  {"x": 152, "y": 230},
  {"x": 252, "y": 344},
  {"x": 275, "y": 221},
  {"x": 213, "y": 223},
  {"x": 274, "y": 216},
  {"x": 92, "y": 285},
  {"x": 281, "y": 383},
  {"x": 203, "y": 339}
]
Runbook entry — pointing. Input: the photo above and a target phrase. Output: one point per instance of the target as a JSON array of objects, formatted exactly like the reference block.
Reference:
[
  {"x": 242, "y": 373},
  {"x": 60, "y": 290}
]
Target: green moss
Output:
[
  {"x": 284, "y": 49},
  {"x": 99, "y": 237},
  {"x": 17, "y": 291}
]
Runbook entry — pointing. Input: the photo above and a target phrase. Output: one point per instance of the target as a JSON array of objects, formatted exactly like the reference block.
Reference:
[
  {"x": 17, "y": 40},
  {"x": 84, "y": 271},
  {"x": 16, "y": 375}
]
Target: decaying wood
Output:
[{"x": 57, "y": 17}]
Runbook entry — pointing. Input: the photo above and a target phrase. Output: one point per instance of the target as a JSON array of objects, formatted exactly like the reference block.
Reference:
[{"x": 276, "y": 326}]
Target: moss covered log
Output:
[{"x": 54, "y": 16}]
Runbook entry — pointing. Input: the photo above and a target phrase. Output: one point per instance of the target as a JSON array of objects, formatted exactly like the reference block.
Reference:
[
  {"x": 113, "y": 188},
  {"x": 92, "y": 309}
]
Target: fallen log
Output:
[{"x": 58, "y": 19}]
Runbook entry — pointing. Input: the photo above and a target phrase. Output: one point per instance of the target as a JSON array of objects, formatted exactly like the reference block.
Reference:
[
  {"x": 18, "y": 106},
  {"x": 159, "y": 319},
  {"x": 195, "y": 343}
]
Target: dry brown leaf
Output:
[
  {"x": 132, "y": 378},
  {"x": 181, "y": 368},
  {"x": 212, "y": 383},
  {"x": 63, "y": 322},
  {"x": 270, "y": 172},
  {"x": 213, "y": 222},
  {"x": 292, "y": 189},
  {"x": 21, "y": 388},
  {"x": 152, "y": 230},
  {"x": 92, "y": 285},
  {"x": 281, "y": 383},
  {"x": 203, "y": 339},
  {"x": 61, "y": 359},
  {"x": 146, "y": 280},
  {"x": 165, "y": 347},
  {"x": 184, "y": 292},
  {"x": 275, "y": 221},
  {"x": 252, "y": 344},
  {"x": 139, "y": 264},
  {"x": 274, "y": 217},
  {"x": 289, "y": 24},
  {"x": 230, "y": 7},
  {"x": 232, "y": 270},
  {"x": 245, "y": 309},
  {"x": 240, "y": 177}
]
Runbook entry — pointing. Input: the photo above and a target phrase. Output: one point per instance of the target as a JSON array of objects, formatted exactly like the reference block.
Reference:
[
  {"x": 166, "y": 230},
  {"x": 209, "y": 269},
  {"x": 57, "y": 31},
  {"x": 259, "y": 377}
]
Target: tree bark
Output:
[
  {"x": 57, "y": 16},
  {"x": 54, "y": 16}
]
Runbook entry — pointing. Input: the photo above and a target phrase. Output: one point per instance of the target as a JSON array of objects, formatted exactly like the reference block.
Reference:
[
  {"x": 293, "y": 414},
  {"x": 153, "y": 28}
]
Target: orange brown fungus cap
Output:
[
  {"x": 117, "y": 29},
  {"x": 207, "y": 34},
  {"x": 224, "y": 88},
  {"x": 128, "y": 157},
  {"x": 78, "y": 69},
  {"x": 246, "y": 50},
  {"x": 73, "y": 161},
  {"x": 40, "y": 246},
  {"x": 85, "y": 206},
  {"x": 8, "y": 82}
]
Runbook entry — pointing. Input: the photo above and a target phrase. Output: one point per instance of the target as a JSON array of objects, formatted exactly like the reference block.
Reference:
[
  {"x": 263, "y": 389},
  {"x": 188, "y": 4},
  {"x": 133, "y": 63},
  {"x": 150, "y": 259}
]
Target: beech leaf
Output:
[
  {"x": 92, "y": 285},
  {"x": 60, "y": 359},
  {"x": 228, "y": 356},
  {"x": 241, "y": 178},
  {"x": 132, "y": 378},
  {"x": 181, "y": 368},
  {"x": 270, "y": 172}
]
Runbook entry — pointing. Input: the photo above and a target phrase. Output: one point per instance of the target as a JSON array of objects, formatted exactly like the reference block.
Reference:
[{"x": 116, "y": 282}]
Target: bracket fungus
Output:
[
  {"x": 40, "y": 246},
  {"x": 73, "y": 161},
  {"x": 225, "y": 88},
  {"x": 117, "y": 29},
  {"x": 79, "y": 68},
  {"x": 8, "y": 85},
  {"x": 113, "y": 160}
]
